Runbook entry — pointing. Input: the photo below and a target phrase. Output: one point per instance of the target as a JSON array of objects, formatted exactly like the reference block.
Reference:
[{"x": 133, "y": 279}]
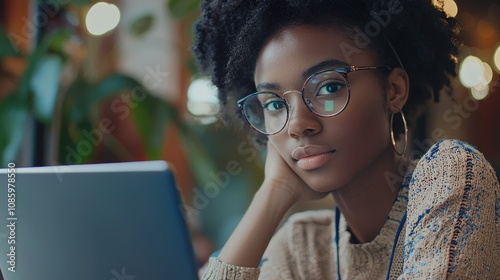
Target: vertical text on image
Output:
[{"x": 11, "y": 216}]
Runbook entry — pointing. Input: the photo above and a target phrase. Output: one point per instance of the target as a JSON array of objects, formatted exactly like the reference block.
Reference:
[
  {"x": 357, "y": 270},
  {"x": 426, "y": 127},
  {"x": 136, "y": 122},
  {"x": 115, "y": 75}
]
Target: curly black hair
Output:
[{"x": 230, "y": 34}]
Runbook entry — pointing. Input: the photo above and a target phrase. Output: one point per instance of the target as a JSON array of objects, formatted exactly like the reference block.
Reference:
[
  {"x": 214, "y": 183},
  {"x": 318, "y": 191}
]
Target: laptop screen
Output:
[{"x": 100, "y": 221}]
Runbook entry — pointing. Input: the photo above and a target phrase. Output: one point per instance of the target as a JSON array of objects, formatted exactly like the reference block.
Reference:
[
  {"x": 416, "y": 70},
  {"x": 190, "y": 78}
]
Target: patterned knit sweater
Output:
[{"x": 452, "y": 230}]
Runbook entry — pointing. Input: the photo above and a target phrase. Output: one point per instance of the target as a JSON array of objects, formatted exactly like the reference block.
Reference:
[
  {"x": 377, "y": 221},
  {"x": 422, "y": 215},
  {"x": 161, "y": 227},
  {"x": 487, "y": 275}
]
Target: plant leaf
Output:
[
  {"x": 74, "y": 100},
  {"x": 81, "y": 2},
  {"x": 151, "y": 117},
  {"x": 16, "y": 108},
  {"x": 181, "y": 8},
  {"x": 75, "y": 2},
  {"x": 6, "y": 47},
  {"x": 75, "y": 147},
  {"x": 201, "y": 161},
  {"x": 45, "y": 87},
  {"x": 78, "y": 114},
  {"x": 13, "y": 117},
  {"x": 142, "y": 25},
  {"x": 110, "y": 85},
  {"x": 33, "y": 60}
]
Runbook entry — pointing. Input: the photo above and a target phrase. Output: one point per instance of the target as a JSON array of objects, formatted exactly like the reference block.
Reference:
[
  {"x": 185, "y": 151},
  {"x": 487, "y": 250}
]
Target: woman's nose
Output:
[{"x": 301, "y": 122}]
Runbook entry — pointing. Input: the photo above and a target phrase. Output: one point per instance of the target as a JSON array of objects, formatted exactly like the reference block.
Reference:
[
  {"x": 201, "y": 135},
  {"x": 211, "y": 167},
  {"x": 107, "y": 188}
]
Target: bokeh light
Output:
[
  {"x": 101, "y": 18},
  {"x": 496, "y": 59},
  {"x": 471, "y": 71},
  {"x": 202, "y": 100},
  {"x": 485, "y": 29},
  {"x": 488, "y": 72},
  {"x": 480, "y": 91},
  {"x": 449, "y": 7}
]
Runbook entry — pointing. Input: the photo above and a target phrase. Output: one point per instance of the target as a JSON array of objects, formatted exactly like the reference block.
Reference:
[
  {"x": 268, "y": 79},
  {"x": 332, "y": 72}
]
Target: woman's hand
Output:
[
  {"x": 281, "y": 188},
  {"x": 283, "y": 180}
]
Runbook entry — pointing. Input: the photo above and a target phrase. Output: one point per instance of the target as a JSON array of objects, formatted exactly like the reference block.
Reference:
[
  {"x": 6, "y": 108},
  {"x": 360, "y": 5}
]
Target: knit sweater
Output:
[{"x": 452, "y": 230}]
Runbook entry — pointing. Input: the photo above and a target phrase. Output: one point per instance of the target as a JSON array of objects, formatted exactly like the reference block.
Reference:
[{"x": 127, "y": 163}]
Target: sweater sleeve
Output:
[
  {"x": 453, "y": 208},
  {"x": 217, "y": 269},
  {"x": 274, "y": 255},
  {"x": 300, "y": 249}
]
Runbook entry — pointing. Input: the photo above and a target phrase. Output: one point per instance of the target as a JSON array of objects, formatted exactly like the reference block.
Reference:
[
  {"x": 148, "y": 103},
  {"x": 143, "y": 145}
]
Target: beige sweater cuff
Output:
[{"x": 217, "y": 269}]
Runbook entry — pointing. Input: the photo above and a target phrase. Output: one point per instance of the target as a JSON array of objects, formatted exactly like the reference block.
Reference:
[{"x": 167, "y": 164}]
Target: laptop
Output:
[{"x": 115, "y": 221}]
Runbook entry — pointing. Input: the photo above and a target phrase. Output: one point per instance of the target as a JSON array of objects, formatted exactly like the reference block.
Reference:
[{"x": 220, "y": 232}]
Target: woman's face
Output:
[{"x": 326, "y": 152}]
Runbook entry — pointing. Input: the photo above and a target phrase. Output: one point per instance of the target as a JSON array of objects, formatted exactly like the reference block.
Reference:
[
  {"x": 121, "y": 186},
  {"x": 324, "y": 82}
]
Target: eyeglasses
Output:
[{"x": 325, "y": 93}]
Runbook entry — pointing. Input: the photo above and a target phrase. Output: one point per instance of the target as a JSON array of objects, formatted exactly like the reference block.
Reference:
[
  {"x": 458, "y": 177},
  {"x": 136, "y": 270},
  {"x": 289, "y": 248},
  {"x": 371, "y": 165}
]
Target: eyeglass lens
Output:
[{"x": 325, "y": 93}]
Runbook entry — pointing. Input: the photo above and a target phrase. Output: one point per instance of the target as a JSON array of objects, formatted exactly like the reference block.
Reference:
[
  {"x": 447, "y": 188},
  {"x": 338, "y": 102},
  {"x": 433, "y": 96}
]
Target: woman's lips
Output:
[{"x": 312, "y": 157}]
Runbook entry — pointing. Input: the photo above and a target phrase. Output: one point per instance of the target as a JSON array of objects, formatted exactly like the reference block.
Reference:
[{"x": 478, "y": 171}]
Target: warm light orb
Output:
[
  {"x": 202, "y": 100},
  {"x": 471, "y": 71},
  {"x": 480, "y": 91},
  {"x": 488, "y": 72},
  {"x": 496, "y": 59},
  {"x": 101, "y": 18},
  {"x": 485, "y": 29},
  {"x": 449, "y": 7}
]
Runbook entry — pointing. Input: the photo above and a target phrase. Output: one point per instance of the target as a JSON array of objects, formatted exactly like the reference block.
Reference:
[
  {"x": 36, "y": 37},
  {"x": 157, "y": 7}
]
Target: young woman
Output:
[{"x": 329, "y": 86}]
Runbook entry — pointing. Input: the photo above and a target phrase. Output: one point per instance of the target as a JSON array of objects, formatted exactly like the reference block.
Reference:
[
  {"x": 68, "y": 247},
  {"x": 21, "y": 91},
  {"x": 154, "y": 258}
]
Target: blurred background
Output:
[{"x": 83, "y": 81}]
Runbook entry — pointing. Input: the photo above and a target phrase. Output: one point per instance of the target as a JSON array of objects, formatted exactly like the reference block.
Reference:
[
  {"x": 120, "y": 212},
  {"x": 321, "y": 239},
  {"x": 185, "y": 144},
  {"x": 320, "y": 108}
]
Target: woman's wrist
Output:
[
  {"x": 278, "y": 195},
  {"x": 248, "y": 242}
]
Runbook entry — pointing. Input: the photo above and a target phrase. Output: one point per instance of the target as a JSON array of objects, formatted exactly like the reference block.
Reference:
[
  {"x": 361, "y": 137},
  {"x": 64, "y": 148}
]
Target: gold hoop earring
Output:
[{"x": 406, "y": 134}]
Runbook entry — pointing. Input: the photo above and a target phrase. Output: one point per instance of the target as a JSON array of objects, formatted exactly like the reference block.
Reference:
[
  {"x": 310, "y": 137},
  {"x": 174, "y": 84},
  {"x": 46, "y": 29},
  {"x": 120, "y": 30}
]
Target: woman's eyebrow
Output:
[
  {"x": 323, "y": 66},
  {"x": 268, "y": 86},
  {"x": 308, "y": 72}
]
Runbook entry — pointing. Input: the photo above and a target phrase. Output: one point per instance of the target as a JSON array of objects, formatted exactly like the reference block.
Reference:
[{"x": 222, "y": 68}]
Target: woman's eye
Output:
[
  {"x": 273, "y": 105},
  {"x": 329, "y": 88}
]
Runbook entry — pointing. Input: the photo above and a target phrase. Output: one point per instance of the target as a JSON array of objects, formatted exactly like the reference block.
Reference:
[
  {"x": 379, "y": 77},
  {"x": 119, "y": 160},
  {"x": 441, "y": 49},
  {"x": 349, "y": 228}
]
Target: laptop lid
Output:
[{"x": 118, "y": 221}]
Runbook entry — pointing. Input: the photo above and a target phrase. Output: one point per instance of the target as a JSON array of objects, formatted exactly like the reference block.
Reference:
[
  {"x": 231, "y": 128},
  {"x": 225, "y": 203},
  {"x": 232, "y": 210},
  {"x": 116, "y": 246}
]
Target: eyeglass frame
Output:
[{"x": 342, "y": 71}]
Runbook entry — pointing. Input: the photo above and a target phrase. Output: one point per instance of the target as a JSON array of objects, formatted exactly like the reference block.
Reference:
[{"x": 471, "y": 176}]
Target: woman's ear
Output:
[{"x": 398, "y": 88}]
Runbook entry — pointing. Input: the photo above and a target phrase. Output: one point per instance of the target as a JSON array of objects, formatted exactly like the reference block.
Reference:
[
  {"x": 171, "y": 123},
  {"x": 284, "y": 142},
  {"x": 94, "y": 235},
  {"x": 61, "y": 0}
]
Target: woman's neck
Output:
[{"x": 367, "y": 200}]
